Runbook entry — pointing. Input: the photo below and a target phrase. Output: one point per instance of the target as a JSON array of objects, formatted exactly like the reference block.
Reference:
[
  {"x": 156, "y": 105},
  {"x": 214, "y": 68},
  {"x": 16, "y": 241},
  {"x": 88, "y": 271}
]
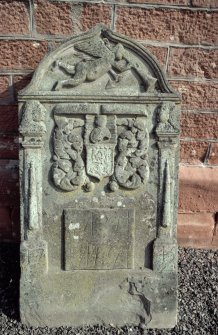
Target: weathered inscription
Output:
[{"x": 98, "y": 239}]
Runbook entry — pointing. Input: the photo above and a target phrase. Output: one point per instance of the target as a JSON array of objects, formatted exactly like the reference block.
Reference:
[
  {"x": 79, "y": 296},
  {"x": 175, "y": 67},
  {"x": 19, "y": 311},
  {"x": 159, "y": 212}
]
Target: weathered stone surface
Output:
[
  {"x": 196, "y": 95},
  {"x": 99, "y": 128},
  {"x": 21, "y": 54},
  {"x": 52, "y": 18},
  {"x": 14, "y": 17},
  {"x": 193, "y": 62},
  {"x": 167, "y": 25},
  {"x": 199, "y": 125},
  {"x": 198, "y": 189}
]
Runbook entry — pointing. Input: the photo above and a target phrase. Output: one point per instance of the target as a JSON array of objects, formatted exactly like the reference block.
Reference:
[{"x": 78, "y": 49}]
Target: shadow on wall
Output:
[
  {"x": 9, "y": 146},
  {"x": 9, "y": 280}
]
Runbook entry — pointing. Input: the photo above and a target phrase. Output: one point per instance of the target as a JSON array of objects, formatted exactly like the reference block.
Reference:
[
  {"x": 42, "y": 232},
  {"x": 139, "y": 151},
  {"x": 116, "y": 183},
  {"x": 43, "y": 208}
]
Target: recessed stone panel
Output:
[{"x": 99, "y": 239}]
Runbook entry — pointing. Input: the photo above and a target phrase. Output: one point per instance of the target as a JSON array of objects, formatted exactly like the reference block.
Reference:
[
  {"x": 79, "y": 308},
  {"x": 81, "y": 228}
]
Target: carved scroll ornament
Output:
[
  {"x": 100, "y": 146},
  {"x": 131, "y": 167},
  {"x": 68, "y": 168}
]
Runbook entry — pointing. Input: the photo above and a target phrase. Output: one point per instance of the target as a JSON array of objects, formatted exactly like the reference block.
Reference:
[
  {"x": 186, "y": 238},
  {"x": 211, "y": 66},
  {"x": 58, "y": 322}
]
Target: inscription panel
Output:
[{"x": 98, "y": 239}]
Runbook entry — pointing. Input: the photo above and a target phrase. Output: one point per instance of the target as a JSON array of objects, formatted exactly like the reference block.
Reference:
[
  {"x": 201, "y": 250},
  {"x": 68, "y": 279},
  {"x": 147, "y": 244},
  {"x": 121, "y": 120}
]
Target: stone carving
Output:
[
  {"x": 68, "y": 168},
  {"x": 131, "y": 167},
  {"x": 98, "y": 56},
  {"x": 165, "y": 257},
  {"x": 100, "y": 133},
  {"x": 98, "y": 239},
  {"x": 99, "y": 117},
  {"x": 137, "y": 287},
  {"x": 73, "y": 165},
  {"x": 32, "y": 124},
  {"x": 37, "y": 256},
  {"x": 100, "y": 142},
  {"x": 33, "y": 201},
  {"x": 103, "y": 58},
  {"x": 165, "y": 118},
  {"x": 166, "y": 219}
]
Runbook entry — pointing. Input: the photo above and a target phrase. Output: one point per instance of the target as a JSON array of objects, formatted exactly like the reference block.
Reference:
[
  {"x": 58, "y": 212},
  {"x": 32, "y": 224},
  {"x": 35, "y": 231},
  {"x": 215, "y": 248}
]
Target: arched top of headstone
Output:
[{"x": 99, "y": 63}]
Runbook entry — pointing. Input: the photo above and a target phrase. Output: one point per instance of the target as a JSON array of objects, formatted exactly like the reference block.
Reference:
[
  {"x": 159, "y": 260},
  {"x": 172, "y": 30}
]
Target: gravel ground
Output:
[{"x": 198, "y": 298}]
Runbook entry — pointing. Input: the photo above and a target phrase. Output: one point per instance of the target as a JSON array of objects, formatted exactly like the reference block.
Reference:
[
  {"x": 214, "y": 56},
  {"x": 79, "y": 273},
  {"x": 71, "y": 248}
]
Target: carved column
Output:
[
  {"x": 166, "y": 243},
  {"x": 32, "y": 131}
]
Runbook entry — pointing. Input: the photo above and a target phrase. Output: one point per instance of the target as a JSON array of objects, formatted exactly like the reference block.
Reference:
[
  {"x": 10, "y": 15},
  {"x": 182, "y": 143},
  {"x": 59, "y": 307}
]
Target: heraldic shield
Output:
[{"x": 100, "y": 142}]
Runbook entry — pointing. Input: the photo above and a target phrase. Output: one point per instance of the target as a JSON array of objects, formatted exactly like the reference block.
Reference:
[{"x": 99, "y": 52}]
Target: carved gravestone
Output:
[{"x": 99, "y": 130}]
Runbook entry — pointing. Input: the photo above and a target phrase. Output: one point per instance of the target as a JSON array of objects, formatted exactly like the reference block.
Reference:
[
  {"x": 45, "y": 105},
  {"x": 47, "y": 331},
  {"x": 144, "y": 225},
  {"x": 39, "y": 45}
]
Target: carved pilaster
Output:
[
  {"x": 167, "y": 132},
  {"x": 32, "y": 131},
  {"x": 165, "y": 247}
]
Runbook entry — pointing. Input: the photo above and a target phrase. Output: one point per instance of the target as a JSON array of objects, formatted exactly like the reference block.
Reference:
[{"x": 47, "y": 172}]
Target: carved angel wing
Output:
[{"x": 94, "y": 47}]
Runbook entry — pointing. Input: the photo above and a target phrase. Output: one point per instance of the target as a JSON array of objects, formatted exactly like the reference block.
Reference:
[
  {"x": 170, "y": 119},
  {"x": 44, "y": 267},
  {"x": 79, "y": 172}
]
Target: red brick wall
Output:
[{"x": 180, "y": 33}]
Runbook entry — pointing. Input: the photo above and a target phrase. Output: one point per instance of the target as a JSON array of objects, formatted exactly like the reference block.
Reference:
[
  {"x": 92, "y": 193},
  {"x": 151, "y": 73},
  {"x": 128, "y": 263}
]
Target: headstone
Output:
[{"x": 99, "y": 127}]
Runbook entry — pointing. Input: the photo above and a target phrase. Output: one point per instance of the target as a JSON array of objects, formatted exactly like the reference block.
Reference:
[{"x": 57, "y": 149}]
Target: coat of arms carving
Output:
[{"x": 86, "y": 150}]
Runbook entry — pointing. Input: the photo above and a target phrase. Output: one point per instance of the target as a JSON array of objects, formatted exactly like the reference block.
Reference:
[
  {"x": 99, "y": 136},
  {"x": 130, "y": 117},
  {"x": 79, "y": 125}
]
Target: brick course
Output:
[
  {"x": 199, "y": 125},
  {"x": 197, "y": 95},
  {"x": 196, "y": 229},
  {"x": 93, "y": 14},
  {"x": 193, "y": 62},
  {"x": 21, "y": 54},
  {"x": 164, "y": 2},
  {"x": 52, "y": 18},
  {"x": 193, "y": 152},
  {"x": 205, "y": 3},
  {"x": 185, "y": 26},
  {"x": 198, "y": 189},
  {"x": 14, "y": 17},
  {"x": 159, "y": 53}
]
